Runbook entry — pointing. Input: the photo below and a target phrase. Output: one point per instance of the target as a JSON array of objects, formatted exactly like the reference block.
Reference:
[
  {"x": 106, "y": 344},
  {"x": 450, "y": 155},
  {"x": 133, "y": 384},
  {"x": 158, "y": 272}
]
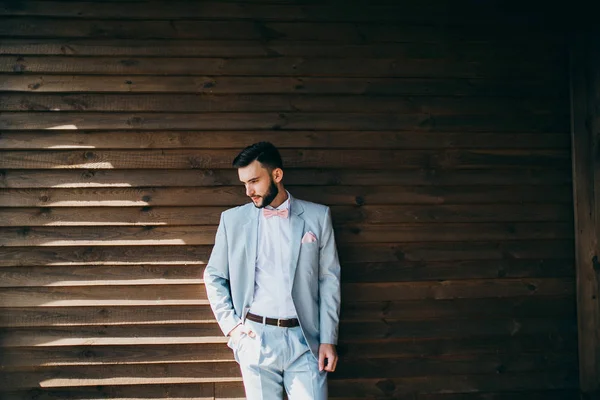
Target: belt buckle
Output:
[{"x": 278, "y": 323}]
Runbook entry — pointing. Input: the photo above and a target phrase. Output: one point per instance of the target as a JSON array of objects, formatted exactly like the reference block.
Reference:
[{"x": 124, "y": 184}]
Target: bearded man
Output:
[{"x": 273, "y": 282}]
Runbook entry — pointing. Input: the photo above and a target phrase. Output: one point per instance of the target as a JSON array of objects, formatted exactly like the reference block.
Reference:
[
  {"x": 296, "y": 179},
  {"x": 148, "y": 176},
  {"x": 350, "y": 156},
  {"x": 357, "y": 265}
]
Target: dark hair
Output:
[{"x": 266, "y": 153}]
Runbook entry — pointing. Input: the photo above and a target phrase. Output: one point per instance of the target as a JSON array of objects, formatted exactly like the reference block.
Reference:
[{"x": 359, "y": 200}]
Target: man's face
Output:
[{"x": 260, "y": 186}]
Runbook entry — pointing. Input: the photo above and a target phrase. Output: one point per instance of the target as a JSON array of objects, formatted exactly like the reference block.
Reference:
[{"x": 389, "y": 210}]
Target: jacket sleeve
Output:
[
  {"x": 329, "y": 284},
  {"x": 216, "y": 280}
]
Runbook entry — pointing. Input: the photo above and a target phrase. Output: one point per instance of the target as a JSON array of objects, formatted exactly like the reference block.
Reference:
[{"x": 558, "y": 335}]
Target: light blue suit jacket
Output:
[{"x": 314, "y": 270}]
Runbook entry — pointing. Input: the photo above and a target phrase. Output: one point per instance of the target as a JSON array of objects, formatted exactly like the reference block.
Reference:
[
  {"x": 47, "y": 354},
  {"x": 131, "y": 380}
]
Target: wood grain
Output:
[
  {"x": 330, "y": 31},
  {"x": 527, "y": 183},
  {"x": 355, "y": 252},
  {"x": 228, "y": 371},
  {"x": 235, "y": 140},
  {"x": 438, "y": 134},
  {"x": 278, "y": 66},
  {"x": 434, "y": 388},
  {"x": 368, "y": 214},
  {"x": 106, "y": 190},
  {"x": 67, "y": 82},
  {"x": 204, "y": 234},
  {"x": 585, "y": 82},
  {"x": 195, "y": 294},
  {"x": 544, "y": 122},
  {"x": 472, "y": 269},
  {"x": 561, "y": 307},
  {"x": 297, "y": 158},
  {"x": 282, "y": 103},
  {"x": 100, "y": 255},
  {"x": 248, "y": 48},
  {"x": 459, "y": 13}
]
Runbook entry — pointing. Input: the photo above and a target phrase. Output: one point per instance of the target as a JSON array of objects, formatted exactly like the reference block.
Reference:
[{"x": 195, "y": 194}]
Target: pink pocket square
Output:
[{"x": 309, "y": 237}]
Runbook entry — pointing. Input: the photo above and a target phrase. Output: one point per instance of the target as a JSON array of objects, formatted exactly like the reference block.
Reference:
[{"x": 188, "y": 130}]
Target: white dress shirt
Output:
[{"x": 272, "y": 285}]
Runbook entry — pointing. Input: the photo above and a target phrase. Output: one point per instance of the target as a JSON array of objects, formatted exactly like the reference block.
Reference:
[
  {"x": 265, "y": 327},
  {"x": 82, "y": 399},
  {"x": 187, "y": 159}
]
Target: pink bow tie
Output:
[{"x": 275, "y": 213}]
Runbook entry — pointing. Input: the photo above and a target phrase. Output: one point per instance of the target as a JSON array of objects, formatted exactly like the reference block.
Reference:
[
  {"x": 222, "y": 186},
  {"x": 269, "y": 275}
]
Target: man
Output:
[{"x": 273, "y": 282}]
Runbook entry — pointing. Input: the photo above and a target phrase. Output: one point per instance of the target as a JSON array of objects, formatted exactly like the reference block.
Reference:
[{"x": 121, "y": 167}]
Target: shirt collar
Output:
[{"x": 285, "y": 204}]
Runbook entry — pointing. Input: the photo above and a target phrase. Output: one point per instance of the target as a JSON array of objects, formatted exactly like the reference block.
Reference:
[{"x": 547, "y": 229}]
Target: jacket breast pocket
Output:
[{"x": 309, "y": 253}]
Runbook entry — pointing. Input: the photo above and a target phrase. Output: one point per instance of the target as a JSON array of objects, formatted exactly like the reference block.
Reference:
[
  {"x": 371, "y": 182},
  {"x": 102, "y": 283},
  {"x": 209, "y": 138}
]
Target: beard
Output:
[{"x": 268, "y": 197}]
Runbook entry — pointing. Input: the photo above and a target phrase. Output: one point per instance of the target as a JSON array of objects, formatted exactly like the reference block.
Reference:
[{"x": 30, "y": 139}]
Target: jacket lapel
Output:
[
  {"x": 297, "y": 225},
  {"x": 250, "y": 229}
]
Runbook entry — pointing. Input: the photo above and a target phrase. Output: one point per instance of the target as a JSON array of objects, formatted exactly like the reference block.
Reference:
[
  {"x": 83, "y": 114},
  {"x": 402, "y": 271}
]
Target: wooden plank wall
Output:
[
  {"x": 585, "y": 131},
  {"x": 438, "y": 133}
]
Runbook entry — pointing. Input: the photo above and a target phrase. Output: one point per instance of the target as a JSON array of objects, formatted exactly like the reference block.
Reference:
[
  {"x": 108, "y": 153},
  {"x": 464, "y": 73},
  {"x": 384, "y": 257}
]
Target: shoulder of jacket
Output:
[
  {"x": 238, "y": 211},
  {"x": 312, "y": 207}
]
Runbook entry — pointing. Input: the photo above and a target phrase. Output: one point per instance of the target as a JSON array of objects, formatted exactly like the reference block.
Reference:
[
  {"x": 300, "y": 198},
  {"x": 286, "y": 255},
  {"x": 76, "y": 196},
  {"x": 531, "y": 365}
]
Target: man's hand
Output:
[
  {"x": 237, "y": 332},
  {"x": 327, "y": 352}
]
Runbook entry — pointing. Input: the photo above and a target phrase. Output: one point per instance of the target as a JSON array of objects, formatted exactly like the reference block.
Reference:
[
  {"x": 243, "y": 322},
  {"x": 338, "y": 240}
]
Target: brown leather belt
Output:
[{"x": 283, "y": 323}]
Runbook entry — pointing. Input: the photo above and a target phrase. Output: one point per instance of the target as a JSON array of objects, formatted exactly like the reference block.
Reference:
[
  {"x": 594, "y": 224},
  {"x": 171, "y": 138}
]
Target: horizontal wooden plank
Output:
[
  {"x": 393, "y": 367},
  {"x": 121, "y": 374},
  {"x": 474, "y": 269},
  {"x": 156, "y": 10},
  {"x": 457, "y": 251},
  {"x": 208, "y": 30},
  {"x": 368, "y": 214},
  {"x": 351, "y": 332},
  {"x": 393, "y": 329},
  {"x": 129, "y": 295},
  {"x": 77, "y": 139},
  {"x": 461, "y": 13},
  {"x": 111, "y": 216},
  {"x": 251, "y": 48},
  {"x": 449, "y": 309},
  {"x": 78, "y": 194},
  {"x": 143, "y": 354},
  {"x": 100, "y": 275},
  {"x": 204, "y": 235},
  {"x": 112, "y": 315},
  {"x": 284, "y": 103},
  {"x": 99, "y": 255},
  {"x": 195, "y": 294},
  {"x": 282, "y": 66},
  {"x": 107, "y": 236},
  {"x": 207, "y": 372},
  {"x": 122, "y": 335},
  {"x": 449, "y": 289},
  {"x": 191, "y": 332},
  {"x": 547, "y": 122},
  {"x": 353, "y": 272},
  {"x": 190, "y": 391},
  {"x": 495, "y": 386},
  {"x": 60, "y": 81},
  {"x": 448, "y": 232},
  {"x": 445, "y": 347},
  {"x": 405, "y": 387},
  {"x": 405, "y": 310},
  {"x": 190, "y": 10},
  {"x": 354, "y": 252},
  {"x": 552, "y": 183},
  {"x": 174, "y": 10},
  {"x": 354, "y": 352},
  {"x": 297, "y": 158},
  {"x": 458, "y": 289},
  {"x": 31, "y": 27}
]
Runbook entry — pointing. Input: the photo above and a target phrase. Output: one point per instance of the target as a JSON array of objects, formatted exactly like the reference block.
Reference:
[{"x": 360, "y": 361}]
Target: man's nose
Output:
[{"x": 249, "y": 191}]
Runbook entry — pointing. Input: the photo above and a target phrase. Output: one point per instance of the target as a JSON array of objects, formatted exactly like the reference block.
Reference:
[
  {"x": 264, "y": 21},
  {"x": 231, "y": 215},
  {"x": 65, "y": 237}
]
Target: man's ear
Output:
[{"x": 277, "y": 175}]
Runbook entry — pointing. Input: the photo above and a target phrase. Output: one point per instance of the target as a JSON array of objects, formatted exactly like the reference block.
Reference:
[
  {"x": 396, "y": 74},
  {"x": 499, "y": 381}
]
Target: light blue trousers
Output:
[{"x": 277, "y": 359}]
